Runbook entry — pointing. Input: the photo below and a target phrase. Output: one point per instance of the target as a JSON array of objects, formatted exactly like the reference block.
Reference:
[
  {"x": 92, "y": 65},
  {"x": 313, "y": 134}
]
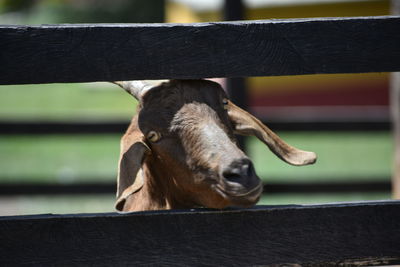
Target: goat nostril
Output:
[
  {"x": 232, "y": 175},
  {"x": 238, "y": 171},
  {"x": 249, "y": 169}
]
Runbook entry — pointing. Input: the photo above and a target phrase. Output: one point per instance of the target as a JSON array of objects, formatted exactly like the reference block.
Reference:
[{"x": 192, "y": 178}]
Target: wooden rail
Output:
[
  {"x": 87, "y": 53},
  {"x": 119, "y": 126},
  {"x": 323, "y": 235}
]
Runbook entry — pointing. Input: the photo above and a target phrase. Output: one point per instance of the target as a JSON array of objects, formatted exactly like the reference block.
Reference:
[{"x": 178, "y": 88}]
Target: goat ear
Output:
[
  {"x": 130, "y": 179},
  {"x": 247, "y": 124}
]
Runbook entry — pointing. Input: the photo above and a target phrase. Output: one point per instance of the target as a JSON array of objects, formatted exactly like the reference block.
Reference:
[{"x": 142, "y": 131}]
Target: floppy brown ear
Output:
[
  {"x": 130, "y": 179},
  {"x": 247, "y": 124}
]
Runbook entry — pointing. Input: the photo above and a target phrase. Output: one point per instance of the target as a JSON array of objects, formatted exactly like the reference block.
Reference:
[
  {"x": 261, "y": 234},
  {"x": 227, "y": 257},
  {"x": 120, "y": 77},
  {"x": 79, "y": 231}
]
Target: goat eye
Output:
[
  {"x": 153, "y": 136},
  {"x": 225, "y": 103}
]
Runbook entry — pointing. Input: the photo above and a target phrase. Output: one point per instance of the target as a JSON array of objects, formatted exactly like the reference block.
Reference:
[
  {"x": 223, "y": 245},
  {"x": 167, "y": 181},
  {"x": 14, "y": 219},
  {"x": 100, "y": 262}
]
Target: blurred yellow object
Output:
[
  {"x": 181, "y": 12},
  {"x": 322, "y": 9}
]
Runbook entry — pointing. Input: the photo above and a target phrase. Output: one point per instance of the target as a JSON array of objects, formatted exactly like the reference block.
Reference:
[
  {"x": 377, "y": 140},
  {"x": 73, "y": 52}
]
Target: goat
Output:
[{"x": 180, "y": 150}]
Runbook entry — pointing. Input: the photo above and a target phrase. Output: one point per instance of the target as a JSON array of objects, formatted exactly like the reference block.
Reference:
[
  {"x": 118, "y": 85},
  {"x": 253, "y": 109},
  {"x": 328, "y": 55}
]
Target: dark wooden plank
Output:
[
  {"x": 57, "y": 189},
  {"x": 366, "y": 233},
  {"x": 118, "y": 127},
  {"x": 236, "y": 87},
  {"x": 233, "y": 10},
  {"x": 87, "y": 53},
  {"x": 8, "y": 127}
]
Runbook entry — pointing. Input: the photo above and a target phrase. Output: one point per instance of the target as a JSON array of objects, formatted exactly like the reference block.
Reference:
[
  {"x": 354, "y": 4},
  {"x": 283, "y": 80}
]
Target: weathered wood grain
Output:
[
  {"x": 105, "y": 52},
  {"x": 358, "y": 233}
]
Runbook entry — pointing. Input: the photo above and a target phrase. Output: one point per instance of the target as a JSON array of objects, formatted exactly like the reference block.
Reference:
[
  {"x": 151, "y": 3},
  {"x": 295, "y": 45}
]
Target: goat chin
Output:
[{"x": 239, "y": 197}]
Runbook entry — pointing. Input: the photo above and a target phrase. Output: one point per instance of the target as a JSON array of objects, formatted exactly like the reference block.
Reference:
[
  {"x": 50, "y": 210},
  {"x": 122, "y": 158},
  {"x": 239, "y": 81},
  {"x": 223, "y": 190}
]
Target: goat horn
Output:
[{"x": 135, "y": 88}]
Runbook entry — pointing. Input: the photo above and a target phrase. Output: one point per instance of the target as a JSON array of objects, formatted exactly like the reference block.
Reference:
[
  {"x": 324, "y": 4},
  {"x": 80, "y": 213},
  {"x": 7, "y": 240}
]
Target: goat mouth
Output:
[{"x": 241, "y": 197}]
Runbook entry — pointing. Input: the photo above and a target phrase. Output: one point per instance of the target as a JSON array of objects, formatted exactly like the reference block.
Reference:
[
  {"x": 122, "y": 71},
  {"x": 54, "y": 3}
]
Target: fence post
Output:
[
  {"x": 395, "y": 112},
  {"x": 236, "y": 87}
]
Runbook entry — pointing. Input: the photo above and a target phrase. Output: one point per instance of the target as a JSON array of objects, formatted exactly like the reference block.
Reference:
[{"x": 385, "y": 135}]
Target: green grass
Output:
[
  {"x": 76, "y": 158},
  {"x": 80, "y": 101},
  {"x": 54, "y": 158},
  {"x": 341, "y": 156},
  {"x": 56, "y": 204}
]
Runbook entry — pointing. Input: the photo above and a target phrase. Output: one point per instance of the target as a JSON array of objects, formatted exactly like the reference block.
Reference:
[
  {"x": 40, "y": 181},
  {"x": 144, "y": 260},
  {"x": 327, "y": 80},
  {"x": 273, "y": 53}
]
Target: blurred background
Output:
[{"x": 59, "y": 143}]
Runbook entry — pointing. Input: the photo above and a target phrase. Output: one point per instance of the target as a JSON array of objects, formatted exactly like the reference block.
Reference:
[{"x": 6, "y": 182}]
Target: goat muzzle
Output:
[{"x": 239, "y": 183}]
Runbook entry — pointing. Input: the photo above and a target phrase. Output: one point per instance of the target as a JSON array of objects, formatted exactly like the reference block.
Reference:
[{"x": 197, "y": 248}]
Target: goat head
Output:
[{"x": 180, "y": 150}]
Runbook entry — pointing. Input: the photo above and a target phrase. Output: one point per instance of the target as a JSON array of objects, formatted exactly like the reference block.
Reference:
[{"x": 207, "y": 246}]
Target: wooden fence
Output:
[
  {"x": 347, "y": 234},
  {"x": 323, "y": 235}
]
